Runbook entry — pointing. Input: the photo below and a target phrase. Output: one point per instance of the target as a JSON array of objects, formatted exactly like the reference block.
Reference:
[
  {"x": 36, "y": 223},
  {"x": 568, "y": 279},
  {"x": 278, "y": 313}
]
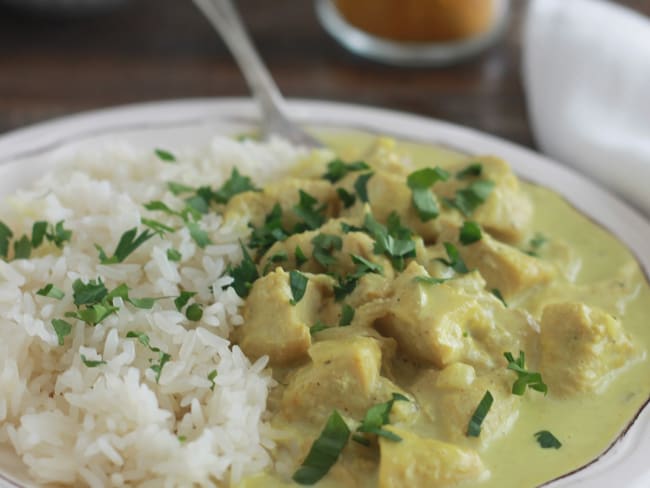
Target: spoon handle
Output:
[{"x": 224, "y": 18}]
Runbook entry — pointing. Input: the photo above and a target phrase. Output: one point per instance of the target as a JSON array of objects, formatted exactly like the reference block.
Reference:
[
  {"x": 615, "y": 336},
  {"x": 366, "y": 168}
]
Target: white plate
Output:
[{"x": 26, "y": 153}]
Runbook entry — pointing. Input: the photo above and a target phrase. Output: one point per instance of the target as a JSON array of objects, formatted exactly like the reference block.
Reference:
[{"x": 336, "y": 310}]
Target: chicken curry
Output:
[{"x": 435, "y": 322}]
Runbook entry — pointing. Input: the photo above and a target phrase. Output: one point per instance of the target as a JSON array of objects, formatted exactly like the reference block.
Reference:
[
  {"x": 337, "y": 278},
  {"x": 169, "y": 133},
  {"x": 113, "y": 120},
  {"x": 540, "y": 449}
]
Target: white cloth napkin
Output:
[{"x": 586, "y": 72}]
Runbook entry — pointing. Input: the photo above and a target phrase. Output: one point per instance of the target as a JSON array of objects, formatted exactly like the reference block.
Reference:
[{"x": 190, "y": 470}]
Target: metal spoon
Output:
[{"x": 224, "y": 18}]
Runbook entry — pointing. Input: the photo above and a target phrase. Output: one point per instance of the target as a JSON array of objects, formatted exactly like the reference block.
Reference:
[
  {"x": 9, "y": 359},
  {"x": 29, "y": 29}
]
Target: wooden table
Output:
[{"x": 164, "y": 49}]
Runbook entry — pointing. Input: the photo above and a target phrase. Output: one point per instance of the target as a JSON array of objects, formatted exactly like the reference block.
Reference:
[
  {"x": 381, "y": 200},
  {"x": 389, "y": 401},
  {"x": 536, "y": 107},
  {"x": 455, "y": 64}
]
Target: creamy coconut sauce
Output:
[{"x": 601, "y": 272}]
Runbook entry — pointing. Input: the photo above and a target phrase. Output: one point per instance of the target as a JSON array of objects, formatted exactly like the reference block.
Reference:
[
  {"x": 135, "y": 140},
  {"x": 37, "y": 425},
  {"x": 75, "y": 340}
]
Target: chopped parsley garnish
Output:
[
  {"x": 57, "y": 234},
  {"x": 51, "y": 291},
  {"x": 174, "y": 255},
  {"x": 181, "y": 300},
  {"x": 317, "y": 327},
  {"x": 394, "y": 241},
  {"x": 266, "y": 235},
  {"x": 91, "y": 363},
  {"x": 324, "y": 246},
  {"x": 300, "y": 256},
  {"x": 347, "y": 315},
  {"x": 62, "y": 328},
  {"x": 89, "y": 293},
  {"x": 346, "y": 197},
  {"x": 535, "y": 244},
  {"x": 165, "y": 156},
  {"x": 474, "y": 427},
  {"x": 93, "y": 314},
  {"x": 470, "y": 233},
  {"x": 194, "y": 312},
  {"x": 312, "y": 216},
  {"x": 211, "y": 376},
  {"x": 39, "y": 229},
  {"x": 361, "y": 186},
  {"x": 524, "y": 378},
  {"x": 547, "y": 440},
  {"x": 128, "y": 243},
  {"x": 158, "y": 227},
  {"x": 470, "y": 171},
  {"x": 497, "y": 293},
  {"x": 244, "y": 274},
  {"x": 420, "y": 183},
  {"x": 163, "y": 357},
  {"x": 455, "y": 261},
  {"x": 345, "y": 228},
  {"x": 278, "y": 257},
  {"x": 344, "y": 287},
  {"x": 179, "y": 188},
  {"x": 337, "y": 169},
  {"x": 379, "y": 415},
  {"x": 199, "y": 235},
  {"x": 324, "y": 451},
  {"x": 468, "y": 199},
  {"x": 22, "y": 248},
  {"x": 430, "y": 280},
  {"x": 5, "y": 235},
  {"x": 298, "y": 285},
  {"x": 364, "y": 266},
  {"x": 234, "y": 185}
]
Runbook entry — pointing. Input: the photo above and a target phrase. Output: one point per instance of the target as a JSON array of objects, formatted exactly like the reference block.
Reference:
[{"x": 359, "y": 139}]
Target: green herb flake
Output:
[
  {"x": 199, "y": 235},
  {"x": 361, "y": 439},
  {"x": 344, "y": 287},
  {"x": 394, "y": 241},
  {"x": 244, "y": 274},
  {"x": 23, "y": 248},
  {"x": 90, "y": 293},
  {"x": 157, "y": 227},
  {"x": 470, "y": 233},
  {"x": 426, "y": 177},
  {"x": 324, "y": 246},
  {"x": 58, "y": 234},
  {"x": 91, "y": 363},
  {"x": 211, "y": 376},
  {"x": 524, "y": 378},
  {"x": 468, "y": 199},
  {"x": 165, "y": 156},
  {"x": 157, "y": 368},
  {"x": 194, "y": 312},
  {"x": 300, "y": 256},
  {"x": 39, "y": 229},
  {"x": 312, "y": 216},
  {"x": 337, "y": 169},
  {"x": 5, "y": 235},
  {"x": 174, "y": 255},
  {"x": 182, "y": 439},
  {"x": 62, "y": 328},
  {"x": 234, "y": 185},
  {"x": 141, "y": 336},
  {"x": 298, "y": 284},
  {"x": 455, "y": 261},
  {"x": 347, "y": 315},
  {"x": 183, "y": 299},
  {"x": 317, "y": 327},
  {"x": 429, "y": 280},
  {"x": 379, "y": 415},
  {"x": 324, "y": 451},
  {"x": 346, "y": 197},
  {"x": 474, "y": 427},
  {"x": 361, "y": 186},
  {"x": 420, "y": 183},
  {"x": 346, "y": 228},
  {"x": 179, "y": 188},
  {"x": 158, "y": 206},
  {"x": 470, "y": 171},
  {"x": 497, "y": 293},
  {"x": 364, "y": 266},
  {"x": 547, "y": 440},
  {"x": 51, "y": 291},
  {"x": 128, "y": 243},
  {"x": 535, "y": 244}
]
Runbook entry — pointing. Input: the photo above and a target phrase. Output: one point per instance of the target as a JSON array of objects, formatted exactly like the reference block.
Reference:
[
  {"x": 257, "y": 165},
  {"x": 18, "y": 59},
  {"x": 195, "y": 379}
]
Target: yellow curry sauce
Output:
[{"x": 578, "y": 307}]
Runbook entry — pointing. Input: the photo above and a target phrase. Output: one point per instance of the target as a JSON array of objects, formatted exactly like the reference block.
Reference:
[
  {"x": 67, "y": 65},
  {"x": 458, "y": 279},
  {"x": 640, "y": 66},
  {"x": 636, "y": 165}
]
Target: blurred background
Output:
[{"x": 144, "y": 50}]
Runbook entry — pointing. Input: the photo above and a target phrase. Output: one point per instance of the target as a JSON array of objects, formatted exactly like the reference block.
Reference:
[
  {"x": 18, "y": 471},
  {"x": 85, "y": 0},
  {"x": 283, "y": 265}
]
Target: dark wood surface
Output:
[{"x": 163, "y": 49}]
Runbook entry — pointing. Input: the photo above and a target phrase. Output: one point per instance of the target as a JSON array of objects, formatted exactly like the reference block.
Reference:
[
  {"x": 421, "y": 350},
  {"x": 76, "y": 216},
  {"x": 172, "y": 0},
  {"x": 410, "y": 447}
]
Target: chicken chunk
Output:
[
  {"x": 507, "y": 210},
  {"x": 344, "y": 374},
  {"x": 582, "y": 347},
  {"x": 504, "y": 267},
  {"x": 418, "y": 461},
  {"x": 273, "y": 326}
]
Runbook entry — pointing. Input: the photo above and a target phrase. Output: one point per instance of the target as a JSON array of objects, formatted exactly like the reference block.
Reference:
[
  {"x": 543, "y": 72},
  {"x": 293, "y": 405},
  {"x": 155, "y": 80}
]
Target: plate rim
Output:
[{"x": 619, "y": 217}]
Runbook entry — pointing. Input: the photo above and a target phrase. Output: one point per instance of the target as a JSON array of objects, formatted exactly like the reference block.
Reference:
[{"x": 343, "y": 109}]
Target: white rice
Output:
[{"x": 113, "y": 425}]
